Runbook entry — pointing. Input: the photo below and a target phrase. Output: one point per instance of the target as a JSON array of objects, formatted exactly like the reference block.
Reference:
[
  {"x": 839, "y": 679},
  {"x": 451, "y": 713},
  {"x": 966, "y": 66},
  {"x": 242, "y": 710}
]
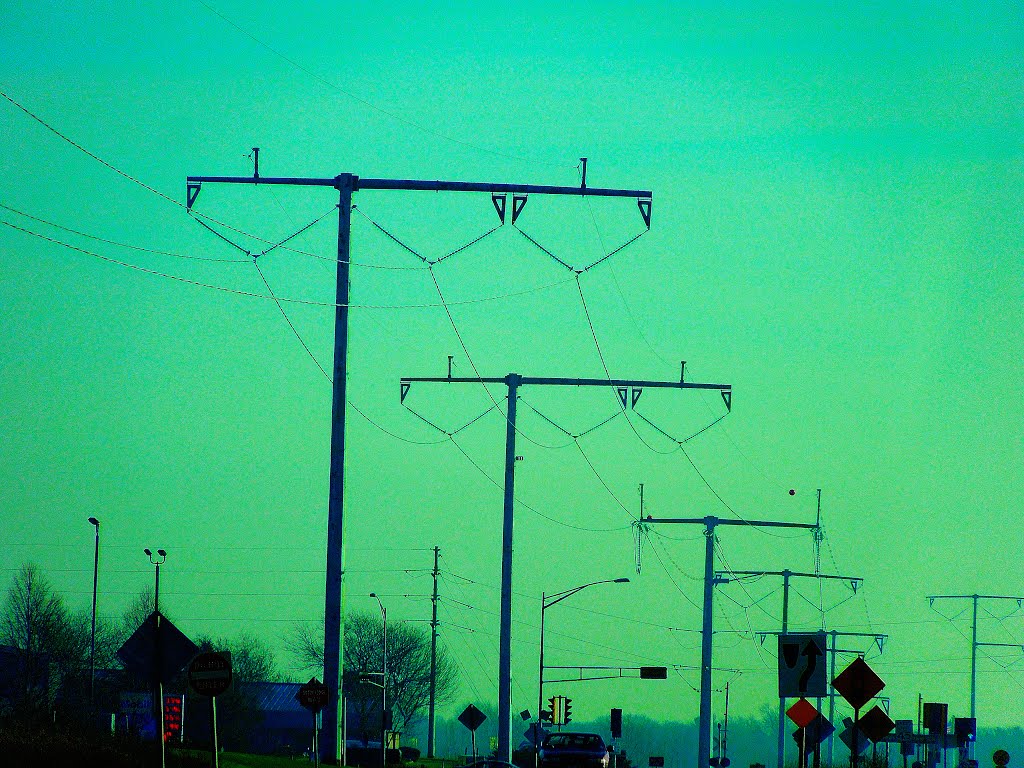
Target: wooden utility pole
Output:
[
  {"x": 346, "y": 185},
  {"x": 433, "y": 658}
]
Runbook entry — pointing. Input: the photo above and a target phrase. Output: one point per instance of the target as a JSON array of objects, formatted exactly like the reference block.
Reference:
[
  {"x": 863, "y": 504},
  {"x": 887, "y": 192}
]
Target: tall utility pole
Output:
[
  {"x": 346, "y": 184},
  {"x": 433, "y": 657},
  {"x": 513, "y": 382},
  {"x": 95, "y": 589},
  {"x": 974, "y": 636},
  {"x": 710, "y": 523},
  {"x": 722, "y": 577}
]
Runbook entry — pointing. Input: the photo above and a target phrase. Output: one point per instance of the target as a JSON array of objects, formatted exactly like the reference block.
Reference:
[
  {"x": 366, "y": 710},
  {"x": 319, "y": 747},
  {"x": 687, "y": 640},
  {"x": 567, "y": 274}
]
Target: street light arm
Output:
[{"x": 560, "y": 596}]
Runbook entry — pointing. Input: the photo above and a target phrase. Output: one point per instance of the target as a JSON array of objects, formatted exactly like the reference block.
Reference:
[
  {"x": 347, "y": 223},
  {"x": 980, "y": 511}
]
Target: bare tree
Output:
[
  {"x": 137, "y": 612},
  {"x": 38, "y": 627},
  {"x": 252, "y": 660},
  {"x": 408, "y": 684}
]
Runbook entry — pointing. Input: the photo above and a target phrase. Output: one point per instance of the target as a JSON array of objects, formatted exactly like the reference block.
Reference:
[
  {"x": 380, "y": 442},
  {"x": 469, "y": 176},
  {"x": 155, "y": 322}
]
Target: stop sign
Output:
[
  {"x": 210, "y": 673},
  {"x": 314, "y": 695}
]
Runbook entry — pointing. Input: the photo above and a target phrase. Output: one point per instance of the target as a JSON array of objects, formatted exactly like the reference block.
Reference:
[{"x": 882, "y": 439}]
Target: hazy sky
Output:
[{"x": 836, "y": 233}]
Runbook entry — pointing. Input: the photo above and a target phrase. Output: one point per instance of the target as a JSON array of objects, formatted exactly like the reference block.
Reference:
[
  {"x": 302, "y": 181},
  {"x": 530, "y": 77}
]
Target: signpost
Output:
[
  {"x": 858, "y": 684},
  {"x": 472, "y": 718},
  {"x": 209, "y": 674},
  {"x": 535, "y": 734},
  {"x": 314, "y": 696},
  {"x": 853, "y": 738}
]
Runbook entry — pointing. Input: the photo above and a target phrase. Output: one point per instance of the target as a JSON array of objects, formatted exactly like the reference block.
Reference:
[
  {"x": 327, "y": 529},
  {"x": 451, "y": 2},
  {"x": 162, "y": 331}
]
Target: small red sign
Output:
[
  {"x": 172, "y": 717},
  {"x": 802, "y": 713}
]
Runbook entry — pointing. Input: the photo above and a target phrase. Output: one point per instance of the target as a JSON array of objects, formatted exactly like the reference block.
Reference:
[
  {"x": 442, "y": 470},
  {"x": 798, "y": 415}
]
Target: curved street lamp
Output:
[
  {"x": 95, "y": 587},
  {"x": 546, "y": 601},
  {"x": 384, "y": 684},
  {"x": 159, "y": 559}
]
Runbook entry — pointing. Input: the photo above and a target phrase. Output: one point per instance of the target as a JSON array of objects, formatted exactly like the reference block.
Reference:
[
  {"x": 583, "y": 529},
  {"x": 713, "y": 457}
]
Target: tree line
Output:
[{"x": 45, "y": 664}]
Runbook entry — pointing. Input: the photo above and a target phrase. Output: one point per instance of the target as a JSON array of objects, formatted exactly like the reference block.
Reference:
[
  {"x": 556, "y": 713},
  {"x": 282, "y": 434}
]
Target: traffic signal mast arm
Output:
[{"x": 612, "y": 673}]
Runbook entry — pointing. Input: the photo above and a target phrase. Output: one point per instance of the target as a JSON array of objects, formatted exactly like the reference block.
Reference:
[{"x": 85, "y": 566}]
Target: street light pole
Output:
[
  {"x": 545, "y": 603},
  {"x": 95, "y": 587},
  {"x": 384, "y": 683},
  {"x": 159, "y": 559}
]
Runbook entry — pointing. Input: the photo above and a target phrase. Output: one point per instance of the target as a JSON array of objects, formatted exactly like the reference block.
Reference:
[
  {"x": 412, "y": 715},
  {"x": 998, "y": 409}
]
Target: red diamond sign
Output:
[
  {"x": 858, "y": 683},
  {"x": 802, "y": 713}
]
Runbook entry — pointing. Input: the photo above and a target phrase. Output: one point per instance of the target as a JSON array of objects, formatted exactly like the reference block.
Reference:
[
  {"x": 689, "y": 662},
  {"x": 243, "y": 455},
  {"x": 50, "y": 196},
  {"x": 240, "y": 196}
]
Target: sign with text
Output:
[
  {"x": 313, "y": 696},
  {"x": 210, "y": 673}
]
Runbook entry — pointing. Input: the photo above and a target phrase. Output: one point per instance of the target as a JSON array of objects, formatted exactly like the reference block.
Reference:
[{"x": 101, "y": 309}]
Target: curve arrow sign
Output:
[{"x": 812, "y": 652}]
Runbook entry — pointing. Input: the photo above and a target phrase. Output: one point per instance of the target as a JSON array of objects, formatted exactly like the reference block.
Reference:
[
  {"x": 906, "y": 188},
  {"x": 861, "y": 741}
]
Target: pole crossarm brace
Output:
[
  {"x": 557, "y": 381},
  {"x": 722, "y": 576},
  {"x": 728, "y": 521},
  {"x": 425, "y": 186},
  {"x": 1001, "y": 645},
  {"x": 876, "y": 636},
  {"x": 1020, "y": 600}
]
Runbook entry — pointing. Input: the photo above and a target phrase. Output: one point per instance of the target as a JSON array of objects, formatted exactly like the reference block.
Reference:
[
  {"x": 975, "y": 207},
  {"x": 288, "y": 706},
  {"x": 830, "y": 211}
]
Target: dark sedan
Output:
[{"x": 585, "y": 750}]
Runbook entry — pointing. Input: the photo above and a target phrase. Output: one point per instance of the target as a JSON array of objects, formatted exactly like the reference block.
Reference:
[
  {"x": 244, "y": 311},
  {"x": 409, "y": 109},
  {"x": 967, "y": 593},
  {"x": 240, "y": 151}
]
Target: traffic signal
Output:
[
  {"x": 653, "y": 673},
  {"x": 566, "y": 710},
  {"x": 554, "y": 711},
  {"x": 965, "y": 729},
  {"x": 616, "y": 723}
]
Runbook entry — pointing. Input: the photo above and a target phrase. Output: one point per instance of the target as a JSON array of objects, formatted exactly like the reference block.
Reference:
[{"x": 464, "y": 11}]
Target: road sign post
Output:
[
  {"x": 209, "y": 674},
  {"x": 472, "y": 718},
  {"x": 858, "y": 684},
  {"x": 314, "y": 696}
]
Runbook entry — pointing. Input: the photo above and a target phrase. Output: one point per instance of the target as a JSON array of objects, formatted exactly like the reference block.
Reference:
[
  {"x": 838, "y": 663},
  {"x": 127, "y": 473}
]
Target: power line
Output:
[{"x": 120, "y": 244}]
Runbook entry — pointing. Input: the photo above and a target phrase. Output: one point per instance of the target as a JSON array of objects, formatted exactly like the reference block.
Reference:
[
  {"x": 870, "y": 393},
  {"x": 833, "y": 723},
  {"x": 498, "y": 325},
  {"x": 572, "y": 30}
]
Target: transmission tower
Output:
[{"x": 346, "y": 185}]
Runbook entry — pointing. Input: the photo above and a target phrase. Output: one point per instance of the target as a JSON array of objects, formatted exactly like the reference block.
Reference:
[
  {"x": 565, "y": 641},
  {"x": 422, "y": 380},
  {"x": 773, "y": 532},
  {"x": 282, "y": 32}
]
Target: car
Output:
[{"x": 579, "y": 750}]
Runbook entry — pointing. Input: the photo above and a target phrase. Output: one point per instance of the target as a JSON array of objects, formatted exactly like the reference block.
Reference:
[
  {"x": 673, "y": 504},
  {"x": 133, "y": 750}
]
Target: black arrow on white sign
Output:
[{"x": 812, "y": 652}]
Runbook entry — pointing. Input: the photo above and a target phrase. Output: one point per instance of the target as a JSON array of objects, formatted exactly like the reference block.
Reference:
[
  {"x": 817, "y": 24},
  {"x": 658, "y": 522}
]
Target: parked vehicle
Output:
[{"x": 575, "y": 750}]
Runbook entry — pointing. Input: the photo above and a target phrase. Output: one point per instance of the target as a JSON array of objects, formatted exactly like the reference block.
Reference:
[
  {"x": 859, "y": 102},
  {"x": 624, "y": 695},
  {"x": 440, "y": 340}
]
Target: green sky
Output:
[{"x": 836, "y": 233}]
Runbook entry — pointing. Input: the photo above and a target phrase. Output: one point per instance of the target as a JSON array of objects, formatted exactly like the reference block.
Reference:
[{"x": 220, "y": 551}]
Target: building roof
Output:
[{"x": 274, "y": 697}]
